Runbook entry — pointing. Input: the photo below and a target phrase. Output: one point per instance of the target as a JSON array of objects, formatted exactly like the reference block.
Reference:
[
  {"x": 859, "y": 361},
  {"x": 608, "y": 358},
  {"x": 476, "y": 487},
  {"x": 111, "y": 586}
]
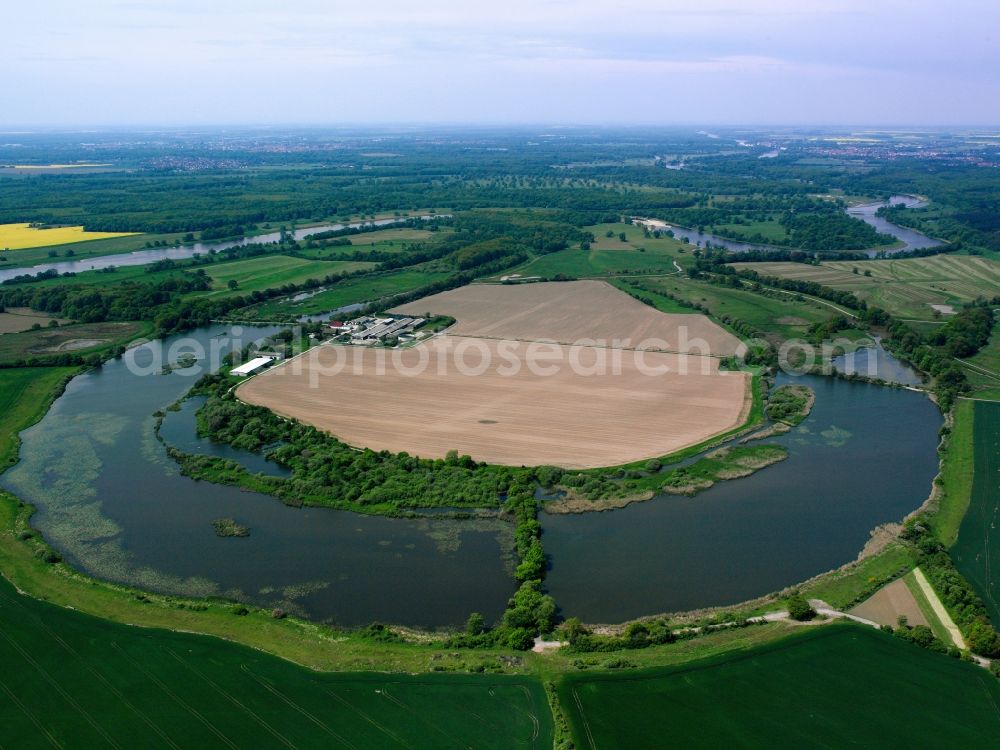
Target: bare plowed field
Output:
[
  {"x": 572, "y": 312},
  {"x": 888, "y": 603},
  {"x": 508, "y": 402}
]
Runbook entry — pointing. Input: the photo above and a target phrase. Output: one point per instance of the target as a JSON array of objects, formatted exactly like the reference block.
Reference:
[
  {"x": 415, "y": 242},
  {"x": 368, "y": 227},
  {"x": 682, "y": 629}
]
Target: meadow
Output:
[
  {"x": 272, "y": 271},
  {"x": 906, "y": 287},
  {"x": 778, "y": 315},
  {"x": 23, "y": 236},
  {"x": 826, "y": 688},
  {"x": 350, "y": 291},
  {"x": 611, "y": 256},
  {"x": 978, "y": 542}
]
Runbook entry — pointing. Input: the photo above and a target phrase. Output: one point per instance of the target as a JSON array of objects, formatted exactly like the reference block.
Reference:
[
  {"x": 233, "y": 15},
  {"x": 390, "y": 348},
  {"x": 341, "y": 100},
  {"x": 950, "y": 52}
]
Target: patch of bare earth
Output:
[{"x": 887, "y": 604}]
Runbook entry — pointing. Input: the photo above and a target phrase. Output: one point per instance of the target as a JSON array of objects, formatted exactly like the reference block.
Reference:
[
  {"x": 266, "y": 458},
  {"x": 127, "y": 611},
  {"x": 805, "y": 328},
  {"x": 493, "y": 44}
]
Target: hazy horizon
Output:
[{"x": 310, "y": 63}]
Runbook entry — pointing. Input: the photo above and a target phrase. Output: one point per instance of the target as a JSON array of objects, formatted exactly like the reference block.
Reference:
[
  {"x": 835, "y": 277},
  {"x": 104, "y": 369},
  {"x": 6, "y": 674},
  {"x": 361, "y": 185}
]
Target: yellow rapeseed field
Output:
[{"x": 23, "y": 236}]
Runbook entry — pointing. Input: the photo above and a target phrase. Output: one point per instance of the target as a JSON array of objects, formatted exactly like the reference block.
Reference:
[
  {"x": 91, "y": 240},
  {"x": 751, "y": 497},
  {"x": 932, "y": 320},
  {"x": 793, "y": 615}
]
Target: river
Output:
[
  {"x": 910, "y": 239},
  {"x": 180, "y": 252}
]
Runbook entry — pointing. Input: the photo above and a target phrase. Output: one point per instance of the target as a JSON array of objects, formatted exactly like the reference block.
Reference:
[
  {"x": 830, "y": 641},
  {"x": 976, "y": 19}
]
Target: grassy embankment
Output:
[
  {"x": 836, "y": 686},
  {"x": 25, "y": 396}
]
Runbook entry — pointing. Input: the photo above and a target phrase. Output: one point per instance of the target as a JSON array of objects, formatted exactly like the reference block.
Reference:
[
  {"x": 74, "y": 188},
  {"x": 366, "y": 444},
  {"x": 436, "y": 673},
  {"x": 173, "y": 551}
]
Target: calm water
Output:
[
  {"x": 116, "y": 506},
  {"x": 180, "y": 430},
  {"x": 911, "y": 239},
  {"x": 866, "y": 212},
  {"x": 865, "y": 456},
  {"x": 876, "y": 362},
  {"x": 151, "y": 255}
]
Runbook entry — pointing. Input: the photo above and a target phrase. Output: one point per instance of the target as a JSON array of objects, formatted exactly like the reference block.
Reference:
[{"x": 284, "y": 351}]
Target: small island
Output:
[
  {"x": 790, "y": 404},
  {"x": 227, "y": 527}
]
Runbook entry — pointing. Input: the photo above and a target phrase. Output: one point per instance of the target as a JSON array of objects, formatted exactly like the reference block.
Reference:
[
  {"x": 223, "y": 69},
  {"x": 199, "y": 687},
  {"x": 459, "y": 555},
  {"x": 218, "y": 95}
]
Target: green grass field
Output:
[
  {"x": 609, "y": 255},
  {"x": 783, "y": 317},
  {"x": 978, "y": 538},
  {"x": 906, "y": 287},
  {"x": 839, "y": 686},
  {"x": 366, "y": 289},
  {"x": 71, "y": 680},
  {"x": 25, "y": 395},
  {"x": 272, "y": 271},
  {"x": 80, "y": 338}
]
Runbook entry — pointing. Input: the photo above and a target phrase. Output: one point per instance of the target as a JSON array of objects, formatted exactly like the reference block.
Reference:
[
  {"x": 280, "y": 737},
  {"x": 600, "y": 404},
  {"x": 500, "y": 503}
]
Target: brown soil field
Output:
[
  {"x": 888, "y": 603},
  {"x": 566, "y": 418},
  {"x": 571, "y": 312}
]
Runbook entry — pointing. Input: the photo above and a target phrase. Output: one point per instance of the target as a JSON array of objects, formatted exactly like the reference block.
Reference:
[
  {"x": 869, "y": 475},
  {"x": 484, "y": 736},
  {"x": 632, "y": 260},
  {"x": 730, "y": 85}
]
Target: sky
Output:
[{"x": 726, "y": 62}]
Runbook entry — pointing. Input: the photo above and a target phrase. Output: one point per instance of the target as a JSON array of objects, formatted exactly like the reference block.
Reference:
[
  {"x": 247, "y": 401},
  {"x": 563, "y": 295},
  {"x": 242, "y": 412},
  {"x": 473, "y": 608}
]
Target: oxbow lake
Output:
[{"x": 116, "y": 506}]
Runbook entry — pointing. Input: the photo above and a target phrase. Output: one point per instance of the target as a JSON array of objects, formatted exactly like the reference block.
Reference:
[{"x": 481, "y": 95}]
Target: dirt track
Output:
[
  {"x": 566, "y": 418},
  {"x": 568, "y": 312}
]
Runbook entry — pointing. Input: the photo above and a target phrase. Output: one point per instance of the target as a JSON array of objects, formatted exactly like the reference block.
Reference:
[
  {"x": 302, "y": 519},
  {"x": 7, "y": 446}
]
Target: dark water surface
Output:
[
  {"x": 113, "y": 503},
  {"x": 865, "y": 456}
]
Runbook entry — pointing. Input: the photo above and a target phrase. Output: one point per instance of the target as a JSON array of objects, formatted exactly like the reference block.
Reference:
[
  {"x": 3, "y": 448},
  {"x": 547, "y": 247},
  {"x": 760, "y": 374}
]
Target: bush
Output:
[
  {"x": 799, "y": 609},
  {"x": 984, "y": 640}
]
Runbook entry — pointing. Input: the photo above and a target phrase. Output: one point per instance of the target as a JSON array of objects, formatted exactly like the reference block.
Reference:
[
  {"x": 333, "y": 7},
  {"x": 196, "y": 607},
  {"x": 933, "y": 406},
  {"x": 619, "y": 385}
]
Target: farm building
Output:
[
  {"x": 385, "y": 328},
  {"x": 254, "y": 365}
]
